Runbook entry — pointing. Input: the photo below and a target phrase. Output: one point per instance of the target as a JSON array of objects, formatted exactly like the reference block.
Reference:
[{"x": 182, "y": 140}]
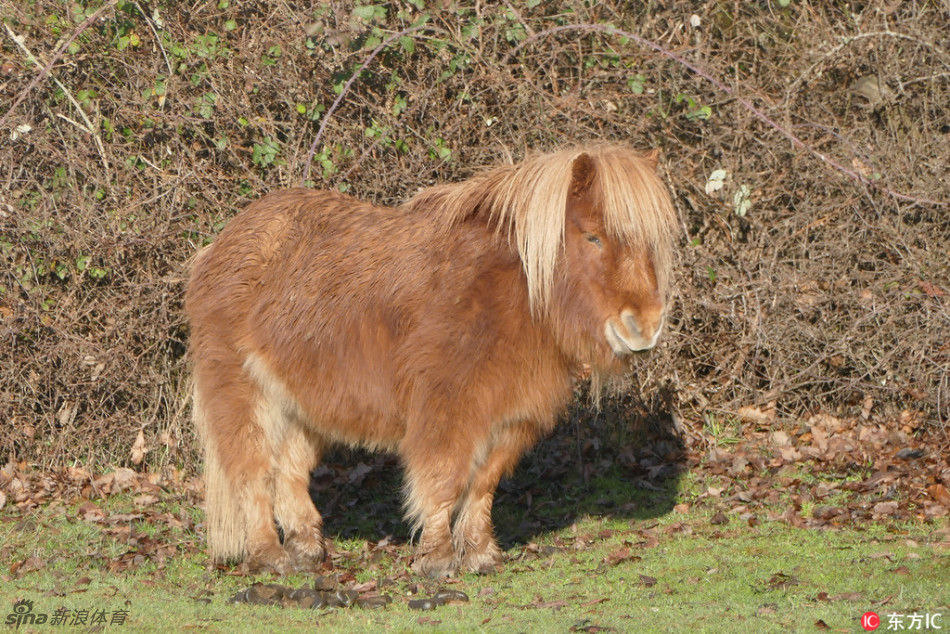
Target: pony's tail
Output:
[{"x": 225, "y": 524}]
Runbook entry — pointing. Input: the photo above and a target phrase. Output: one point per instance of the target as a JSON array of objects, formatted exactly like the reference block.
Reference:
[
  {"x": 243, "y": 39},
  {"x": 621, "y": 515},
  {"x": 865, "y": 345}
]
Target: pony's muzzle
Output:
[{"x": 632, "y": 333}]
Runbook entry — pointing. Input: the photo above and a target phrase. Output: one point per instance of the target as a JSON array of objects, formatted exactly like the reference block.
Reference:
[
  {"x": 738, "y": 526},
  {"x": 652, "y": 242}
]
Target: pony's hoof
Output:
[
  {"x": 271, "y": 560},
  {"x": 435, "y": 567},
  {"x": 306, "y": 551},
  {"x": 485, "y": 562}
]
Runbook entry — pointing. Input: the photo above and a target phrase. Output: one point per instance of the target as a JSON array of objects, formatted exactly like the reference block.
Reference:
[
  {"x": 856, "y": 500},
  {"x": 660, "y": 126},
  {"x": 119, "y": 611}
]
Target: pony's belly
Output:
[
  {"x": 366, "y": 429},
  {"x": 339, "y": 410}
]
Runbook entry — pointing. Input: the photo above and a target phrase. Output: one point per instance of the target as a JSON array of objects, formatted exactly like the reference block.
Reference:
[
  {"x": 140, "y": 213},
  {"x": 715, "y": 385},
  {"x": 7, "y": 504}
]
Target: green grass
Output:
[{"x": 675, "y": 572}]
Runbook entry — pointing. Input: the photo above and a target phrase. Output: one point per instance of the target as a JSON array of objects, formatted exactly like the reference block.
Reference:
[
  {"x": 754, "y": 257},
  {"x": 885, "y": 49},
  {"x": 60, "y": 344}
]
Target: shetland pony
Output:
[{"x": 447, "y": 330}]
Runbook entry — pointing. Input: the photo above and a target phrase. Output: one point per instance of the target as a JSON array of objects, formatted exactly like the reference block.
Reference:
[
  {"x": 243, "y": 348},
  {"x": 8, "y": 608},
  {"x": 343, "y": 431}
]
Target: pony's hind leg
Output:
[
  {"x": 239, "y": 504},
  {"x": 472, "y": 533},
  {"x": 299, "y": 453},
  {"x": 264, "y": 550}
]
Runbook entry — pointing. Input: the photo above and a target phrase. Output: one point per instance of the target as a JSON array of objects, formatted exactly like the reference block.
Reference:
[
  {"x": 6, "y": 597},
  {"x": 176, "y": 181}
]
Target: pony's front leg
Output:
[
  {"x": 437, "y": 462},
  {"x": 435, "y": 556},
  {"x": 473, "y": 535}
]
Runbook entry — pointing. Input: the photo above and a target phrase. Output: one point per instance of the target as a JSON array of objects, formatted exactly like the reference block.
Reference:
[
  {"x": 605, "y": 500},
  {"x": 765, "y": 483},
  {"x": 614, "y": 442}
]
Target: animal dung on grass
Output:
[{"x": 447, "y": 330}]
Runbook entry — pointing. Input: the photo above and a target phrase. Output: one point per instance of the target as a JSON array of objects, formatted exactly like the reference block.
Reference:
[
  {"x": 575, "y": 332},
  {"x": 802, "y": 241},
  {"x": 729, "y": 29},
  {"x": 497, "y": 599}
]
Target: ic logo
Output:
[{"x": 870, "y": 621}]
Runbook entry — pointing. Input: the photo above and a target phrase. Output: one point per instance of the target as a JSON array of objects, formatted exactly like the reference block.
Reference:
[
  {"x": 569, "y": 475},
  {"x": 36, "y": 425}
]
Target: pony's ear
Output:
[
  {"x": 652, "y": 157},
  {"x": 582, "y": 174}
]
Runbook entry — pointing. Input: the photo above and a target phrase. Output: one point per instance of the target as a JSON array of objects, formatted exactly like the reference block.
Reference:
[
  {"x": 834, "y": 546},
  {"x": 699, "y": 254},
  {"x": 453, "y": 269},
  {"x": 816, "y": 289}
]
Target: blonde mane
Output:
[{"x": 528, "y": 200}]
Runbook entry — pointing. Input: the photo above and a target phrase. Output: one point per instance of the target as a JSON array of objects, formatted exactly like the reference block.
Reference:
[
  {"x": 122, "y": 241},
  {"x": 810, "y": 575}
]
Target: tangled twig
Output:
[
  {"x": 88, "y": 128},
  {"x": 346, "y": 89},
  {"x": 745, "y": 103},
  {"x": 56, "y": 55}
]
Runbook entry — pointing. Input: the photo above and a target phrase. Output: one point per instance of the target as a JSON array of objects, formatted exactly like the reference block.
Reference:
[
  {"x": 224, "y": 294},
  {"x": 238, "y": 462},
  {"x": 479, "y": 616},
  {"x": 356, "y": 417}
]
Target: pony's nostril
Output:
[
  {"x": 632, "y": 326},
  {"x": 644, "y": 327}
]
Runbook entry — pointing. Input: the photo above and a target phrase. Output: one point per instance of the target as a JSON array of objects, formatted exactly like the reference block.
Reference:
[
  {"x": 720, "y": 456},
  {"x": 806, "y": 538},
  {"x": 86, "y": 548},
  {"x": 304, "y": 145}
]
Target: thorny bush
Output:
[{"x": 800, "y": 288}]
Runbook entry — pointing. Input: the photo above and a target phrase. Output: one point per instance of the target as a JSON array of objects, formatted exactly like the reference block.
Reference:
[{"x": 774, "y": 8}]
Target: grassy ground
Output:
[{"x": 688, "y": 569}]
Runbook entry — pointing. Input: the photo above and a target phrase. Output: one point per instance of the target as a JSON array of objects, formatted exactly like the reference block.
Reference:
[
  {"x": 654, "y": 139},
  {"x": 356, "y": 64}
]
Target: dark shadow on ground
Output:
[{"x": 624, "y": 461}]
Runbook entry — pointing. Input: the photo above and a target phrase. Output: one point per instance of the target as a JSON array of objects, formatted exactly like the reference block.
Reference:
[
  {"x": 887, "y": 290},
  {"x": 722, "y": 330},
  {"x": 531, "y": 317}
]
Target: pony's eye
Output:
[{"x": 594, "y": 240}]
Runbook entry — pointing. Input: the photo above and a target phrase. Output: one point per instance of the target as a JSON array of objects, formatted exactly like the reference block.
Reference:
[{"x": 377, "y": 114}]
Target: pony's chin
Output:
[{"x": 623, "y": 343}]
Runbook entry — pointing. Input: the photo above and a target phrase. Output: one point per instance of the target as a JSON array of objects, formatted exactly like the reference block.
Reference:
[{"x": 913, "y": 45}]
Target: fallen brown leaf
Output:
[
  {"x": 885, "y": 509},
  {"x": 719, "y": 519},
  {"x": 30, "y": 564},
  {"x": 90, "y": 512},
  {"x": 554, "y": 605},
  {"x": 620, "y": 555},
  {"x": 753, "y": 414},
  {"x": 365, "y": 586},
  {"x": 145, "y": 499},
  {"x": 782, "y": 581},
  {"x": 931, "y": 290},
  {"x": 138, "y": 449},
  {"x": 779, "y": 439},
  {"x": 937, "y": 491},
  {"x": 935, "y": 510}
]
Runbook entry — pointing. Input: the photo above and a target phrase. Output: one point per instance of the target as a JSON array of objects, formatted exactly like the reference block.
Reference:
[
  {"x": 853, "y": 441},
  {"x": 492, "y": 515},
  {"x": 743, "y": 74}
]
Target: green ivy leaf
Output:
[{"x": 369, "y": 12}]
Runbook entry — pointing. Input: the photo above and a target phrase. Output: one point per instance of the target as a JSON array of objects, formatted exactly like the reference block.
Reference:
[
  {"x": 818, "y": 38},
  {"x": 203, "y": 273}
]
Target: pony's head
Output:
[
  {"x": 611, "y": 284},
  {"x": 594, "y": 228}
]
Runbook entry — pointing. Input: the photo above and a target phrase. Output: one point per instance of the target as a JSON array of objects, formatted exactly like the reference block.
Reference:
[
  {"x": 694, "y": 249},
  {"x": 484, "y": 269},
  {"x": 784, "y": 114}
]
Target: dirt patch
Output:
[{"x": 806, "y": 147}]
